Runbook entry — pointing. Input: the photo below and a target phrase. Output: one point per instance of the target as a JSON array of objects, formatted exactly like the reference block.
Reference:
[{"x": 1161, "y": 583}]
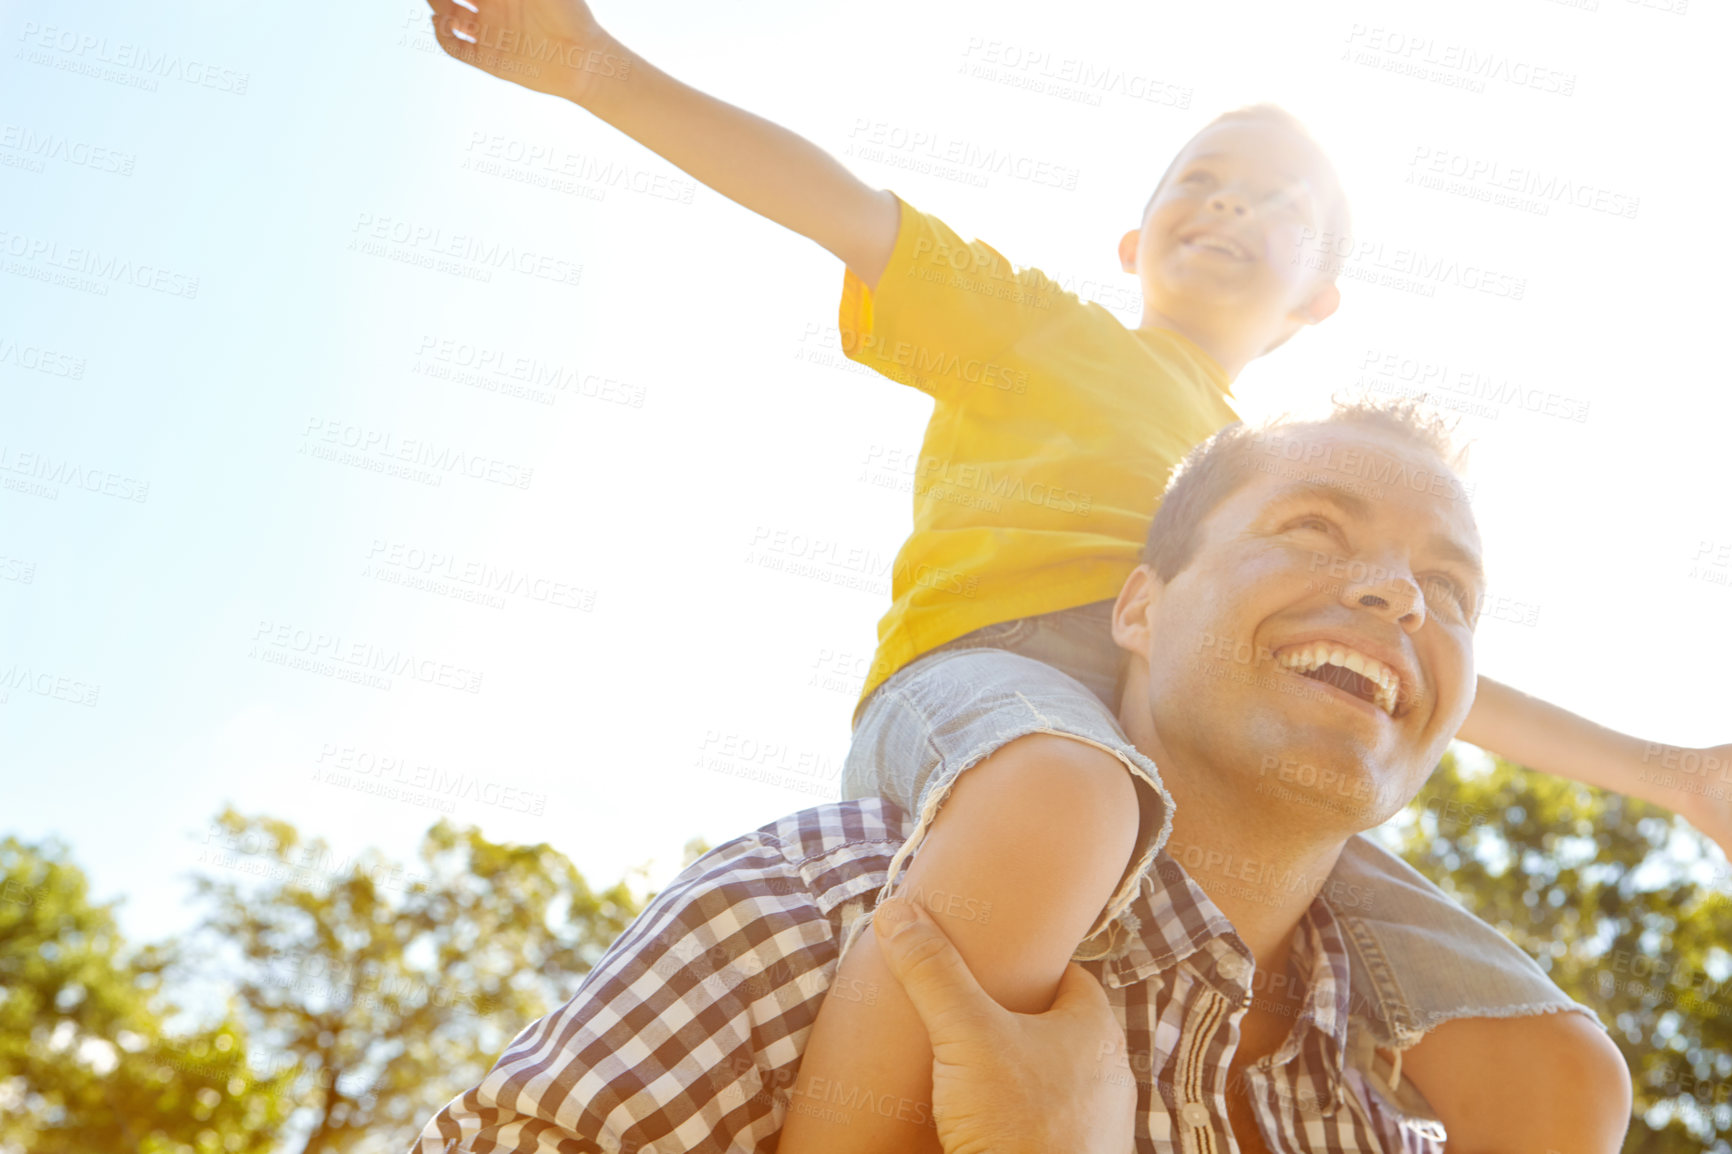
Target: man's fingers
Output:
[
  {"x": 1082, "y": 1002},
  {"x": 1080, "y": 995},
  {"x": 949, "y": 1001}
]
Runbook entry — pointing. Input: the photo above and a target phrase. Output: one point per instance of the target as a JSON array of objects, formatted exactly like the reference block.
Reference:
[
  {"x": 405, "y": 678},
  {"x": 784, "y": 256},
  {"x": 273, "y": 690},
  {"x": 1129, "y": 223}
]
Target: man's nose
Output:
[{"x": 1390, "y": 593}]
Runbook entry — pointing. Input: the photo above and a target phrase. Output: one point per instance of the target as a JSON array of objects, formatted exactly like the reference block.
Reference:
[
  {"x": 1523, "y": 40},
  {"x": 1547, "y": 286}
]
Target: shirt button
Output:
[{"x": 1194, "y": 1114}]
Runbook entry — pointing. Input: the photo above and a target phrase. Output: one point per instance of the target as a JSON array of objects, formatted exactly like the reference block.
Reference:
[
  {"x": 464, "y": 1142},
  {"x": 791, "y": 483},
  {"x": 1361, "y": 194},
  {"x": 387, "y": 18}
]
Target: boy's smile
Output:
[
  {"x": 1240, "y": 194},
  {"x": 1205, "y": 241}
]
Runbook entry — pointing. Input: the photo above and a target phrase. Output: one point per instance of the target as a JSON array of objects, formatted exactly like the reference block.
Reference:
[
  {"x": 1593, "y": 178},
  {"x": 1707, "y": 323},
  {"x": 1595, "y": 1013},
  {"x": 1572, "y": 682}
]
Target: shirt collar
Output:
[
  {"x": 1322, "y": 965},
  {"x": 1173, "y": 920}
]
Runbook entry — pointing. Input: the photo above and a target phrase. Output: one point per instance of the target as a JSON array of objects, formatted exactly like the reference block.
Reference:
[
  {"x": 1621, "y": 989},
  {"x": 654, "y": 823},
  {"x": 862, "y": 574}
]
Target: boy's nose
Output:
[{"x": 1230, "y": 203}]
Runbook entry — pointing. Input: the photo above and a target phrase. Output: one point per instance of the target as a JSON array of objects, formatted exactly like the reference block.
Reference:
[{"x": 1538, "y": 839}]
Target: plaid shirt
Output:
[{"x": 688, "y": 1033}]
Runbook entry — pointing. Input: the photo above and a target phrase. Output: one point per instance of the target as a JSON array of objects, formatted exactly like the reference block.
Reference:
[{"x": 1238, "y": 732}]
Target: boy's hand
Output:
[
  {"x": 551, "y": 46},
  {"x": 1711, "y": 811},
  {"x": 556, "y": 47}
]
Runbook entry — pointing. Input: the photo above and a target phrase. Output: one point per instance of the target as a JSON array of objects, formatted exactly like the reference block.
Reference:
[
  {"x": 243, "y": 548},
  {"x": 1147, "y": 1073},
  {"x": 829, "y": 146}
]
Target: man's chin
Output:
[
  {"x": 1311, "y": 768},
  {"x": 1363, "y": 782},
  {"x": 1357, "y": 764}
]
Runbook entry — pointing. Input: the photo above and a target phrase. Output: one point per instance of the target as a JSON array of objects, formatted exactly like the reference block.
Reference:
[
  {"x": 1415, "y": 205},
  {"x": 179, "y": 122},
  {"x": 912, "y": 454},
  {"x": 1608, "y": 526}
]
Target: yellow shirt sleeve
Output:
[
  {"x": 1053, "y": 430},
  {"x": 944, "y": 311}
]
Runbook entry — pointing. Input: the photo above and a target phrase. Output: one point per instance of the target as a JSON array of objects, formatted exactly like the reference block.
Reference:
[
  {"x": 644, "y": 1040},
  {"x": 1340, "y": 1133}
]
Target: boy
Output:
[{"x": 1097, "y": 415}]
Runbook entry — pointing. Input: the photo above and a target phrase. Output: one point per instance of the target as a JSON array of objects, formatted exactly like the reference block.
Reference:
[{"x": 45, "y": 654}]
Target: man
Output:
[{"x": 1276, "y": 749}]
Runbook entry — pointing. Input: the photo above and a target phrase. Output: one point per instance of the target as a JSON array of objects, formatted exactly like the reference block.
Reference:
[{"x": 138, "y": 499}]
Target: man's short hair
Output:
[
  {"x": 1215, "y": 469},
  {"x": 1336, "y": 215}
]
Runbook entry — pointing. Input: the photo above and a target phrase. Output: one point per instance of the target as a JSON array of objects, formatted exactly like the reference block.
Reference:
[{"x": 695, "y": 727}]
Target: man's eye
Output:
[
  {"x": 1321, "y": 524},
  {"x": 1444, "y": 588}
]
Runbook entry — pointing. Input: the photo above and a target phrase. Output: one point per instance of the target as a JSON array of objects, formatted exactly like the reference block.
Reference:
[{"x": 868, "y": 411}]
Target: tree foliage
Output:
[
  {"x": 1625, "y": 907},
  {"x": 86, "y": 1062},
  {"x": 360, "y": 995},
  {"x": 392, "y": 990}
]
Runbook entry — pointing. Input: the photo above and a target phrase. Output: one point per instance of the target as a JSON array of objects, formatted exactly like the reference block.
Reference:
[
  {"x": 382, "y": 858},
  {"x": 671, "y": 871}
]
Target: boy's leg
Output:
[
  {"x": 1035, "y": 821},
  {"x": 1476, "y": 1026},
  {"x": 1420, "y": 959},
  {"x": 953, "y": 708},
  {"x": 1539, "y": 1082},
  {"x": 890, "y": 756}
]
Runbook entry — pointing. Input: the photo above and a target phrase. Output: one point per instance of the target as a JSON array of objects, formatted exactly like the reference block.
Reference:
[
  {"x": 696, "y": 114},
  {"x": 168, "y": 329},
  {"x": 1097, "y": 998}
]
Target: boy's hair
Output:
[
  {"x": 1215, "y": 469},
  {"x": 1337, "y": 217}
]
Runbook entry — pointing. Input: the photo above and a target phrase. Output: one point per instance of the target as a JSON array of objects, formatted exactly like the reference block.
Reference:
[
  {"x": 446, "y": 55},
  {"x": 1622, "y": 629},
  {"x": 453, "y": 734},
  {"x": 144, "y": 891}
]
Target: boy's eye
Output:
[{"x": 1321, "y": 524}]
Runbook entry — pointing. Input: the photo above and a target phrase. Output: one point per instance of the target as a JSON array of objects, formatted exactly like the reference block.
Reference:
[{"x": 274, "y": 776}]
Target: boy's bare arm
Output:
[
  {"x": 1542, "y": 736},
  {"x": 557, "y": 47},
  {"x": 1026, "y": 851}
]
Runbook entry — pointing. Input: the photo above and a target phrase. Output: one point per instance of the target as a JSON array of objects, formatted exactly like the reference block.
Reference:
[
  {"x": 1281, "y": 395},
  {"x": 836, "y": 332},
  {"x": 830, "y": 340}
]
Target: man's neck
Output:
[
  {"x": 1260, "y": 871},
  {"x": 1263, "y": 888}
]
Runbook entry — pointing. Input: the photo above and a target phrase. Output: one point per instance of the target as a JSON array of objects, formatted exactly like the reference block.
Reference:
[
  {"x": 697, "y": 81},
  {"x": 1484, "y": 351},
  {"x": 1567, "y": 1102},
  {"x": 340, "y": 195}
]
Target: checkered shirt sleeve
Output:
[{"x": 687, "y": 1034}]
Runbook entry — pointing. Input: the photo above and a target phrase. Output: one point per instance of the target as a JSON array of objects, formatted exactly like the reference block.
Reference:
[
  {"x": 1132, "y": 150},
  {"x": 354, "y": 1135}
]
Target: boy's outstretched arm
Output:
[
  {"x": 1694, "y": 783},
  {"x": 557, "y": 47}
]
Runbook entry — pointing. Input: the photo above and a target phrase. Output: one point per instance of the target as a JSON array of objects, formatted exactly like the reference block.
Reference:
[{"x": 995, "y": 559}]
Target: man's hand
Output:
[
  {"x": 551, "y": 46},
  {"x": 1007, "y": 1083}
]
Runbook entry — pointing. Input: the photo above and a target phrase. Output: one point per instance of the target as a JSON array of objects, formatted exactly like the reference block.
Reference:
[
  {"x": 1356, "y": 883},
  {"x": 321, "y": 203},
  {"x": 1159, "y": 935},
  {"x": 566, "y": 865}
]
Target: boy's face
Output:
[{"x": 1222, "y": 233}]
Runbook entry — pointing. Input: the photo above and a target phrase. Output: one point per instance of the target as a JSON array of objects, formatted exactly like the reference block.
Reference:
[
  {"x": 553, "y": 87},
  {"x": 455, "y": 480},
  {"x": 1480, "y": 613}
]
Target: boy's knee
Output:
[
  {"x": 1039, "y": 836},
  {"x": 1069, "y": 782},
  {"x": 1525, "y": 1082},
  {"x": 1049, "y": 757}
]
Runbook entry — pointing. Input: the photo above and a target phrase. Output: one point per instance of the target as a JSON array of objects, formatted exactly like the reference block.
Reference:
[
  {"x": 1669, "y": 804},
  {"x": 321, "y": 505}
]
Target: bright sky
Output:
[{"x": 168, "y": 537}]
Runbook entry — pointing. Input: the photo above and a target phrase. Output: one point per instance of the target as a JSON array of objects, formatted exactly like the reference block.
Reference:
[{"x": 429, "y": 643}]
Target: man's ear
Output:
[
  {"x": 1128, "y": 249},
  {"x": 1137, "y": 597}
]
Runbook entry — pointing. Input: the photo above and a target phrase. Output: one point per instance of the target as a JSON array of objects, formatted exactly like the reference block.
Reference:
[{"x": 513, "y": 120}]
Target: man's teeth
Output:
[{"x": 1306, "y": 658}]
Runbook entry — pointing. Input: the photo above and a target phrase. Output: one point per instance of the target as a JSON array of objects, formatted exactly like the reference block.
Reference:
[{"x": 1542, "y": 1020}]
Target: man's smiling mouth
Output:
[{"x": 1346, "y": 669}]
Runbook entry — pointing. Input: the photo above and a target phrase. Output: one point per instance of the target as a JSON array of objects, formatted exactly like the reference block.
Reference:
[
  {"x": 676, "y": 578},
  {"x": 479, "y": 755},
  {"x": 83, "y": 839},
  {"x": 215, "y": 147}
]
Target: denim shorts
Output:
[
  {"x": 1419, "y": 959},
  {"x": 952, "y": 707}
]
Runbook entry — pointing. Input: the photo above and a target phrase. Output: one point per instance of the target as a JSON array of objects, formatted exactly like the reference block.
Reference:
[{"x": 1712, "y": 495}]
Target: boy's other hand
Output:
[
  {"x": 1004, "y": 1082},
  {"x": 551, "y": 46},
  {"x": 1710, "y": 810}
]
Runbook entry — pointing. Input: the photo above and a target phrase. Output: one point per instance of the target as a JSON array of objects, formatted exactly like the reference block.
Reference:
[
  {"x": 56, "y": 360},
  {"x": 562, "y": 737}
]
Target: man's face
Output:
[
  {"x": 1321, "y": 638},
  {"x": 1224, "y": 228}
]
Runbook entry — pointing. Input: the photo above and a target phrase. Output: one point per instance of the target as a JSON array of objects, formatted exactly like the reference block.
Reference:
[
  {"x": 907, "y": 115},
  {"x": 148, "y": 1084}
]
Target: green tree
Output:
[
  {"x": 1620, "y": 903},
  {"x": 390, "y": 990},
  {"x": 86, "y": 1064}
]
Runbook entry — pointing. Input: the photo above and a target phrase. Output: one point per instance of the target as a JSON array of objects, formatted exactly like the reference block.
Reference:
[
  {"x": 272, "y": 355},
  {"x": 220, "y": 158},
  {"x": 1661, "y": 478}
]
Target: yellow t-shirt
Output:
[{"x": 1052, "y": 435}]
